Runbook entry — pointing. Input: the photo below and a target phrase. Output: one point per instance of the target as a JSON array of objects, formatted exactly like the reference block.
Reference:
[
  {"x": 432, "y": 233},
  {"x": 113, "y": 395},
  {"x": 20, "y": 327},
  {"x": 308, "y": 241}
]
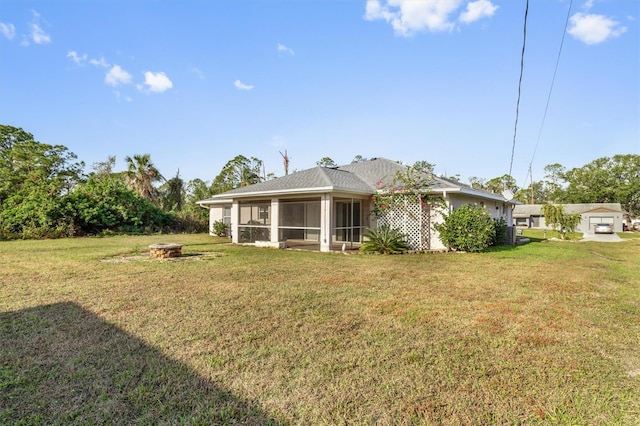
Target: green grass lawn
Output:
[
  {"x": 548, "y": 234},
  {"x": 93, "y": 331}
]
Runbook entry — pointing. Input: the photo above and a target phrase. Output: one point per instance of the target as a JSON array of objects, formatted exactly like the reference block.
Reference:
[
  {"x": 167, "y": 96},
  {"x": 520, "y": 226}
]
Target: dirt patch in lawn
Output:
[{"x": 144, "y": 257}]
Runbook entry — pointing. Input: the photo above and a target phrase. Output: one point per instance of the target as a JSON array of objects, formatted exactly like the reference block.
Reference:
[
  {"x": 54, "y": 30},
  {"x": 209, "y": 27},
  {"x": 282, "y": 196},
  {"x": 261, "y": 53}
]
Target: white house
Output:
[{"x": 330, "y": 207}]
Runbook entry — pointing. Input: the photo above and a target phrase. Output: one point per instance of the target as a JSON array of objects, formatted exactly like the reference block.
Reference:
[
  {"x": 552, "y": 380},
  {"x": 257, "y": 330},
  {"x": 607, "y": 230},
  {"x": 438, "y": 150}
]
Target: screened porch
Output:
[{"x": 297, "y": 223}]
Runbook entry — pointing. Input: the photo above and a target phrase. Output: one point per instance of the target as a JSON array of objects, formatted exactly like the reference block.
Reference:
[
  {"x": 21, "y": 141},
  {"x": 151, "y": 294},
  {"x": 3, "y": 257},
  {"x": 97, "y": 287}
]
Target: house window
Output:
[
  {"x": 226, "y": 215},
  {"x": 255, "y": 221}
]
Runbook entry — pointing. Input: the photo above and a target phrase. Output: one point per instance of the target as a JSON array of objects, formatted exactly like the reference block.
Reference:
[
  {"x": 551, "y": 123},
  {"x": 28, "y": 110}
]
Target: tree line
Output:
[
  {"x": 45, "y": 191},
  {"x": 613, "y": 179}
]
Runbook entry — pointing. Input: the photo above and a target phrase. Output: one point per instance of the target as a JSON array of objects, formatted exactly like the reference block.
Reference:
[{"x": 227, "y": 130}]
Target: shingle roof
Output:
[
  {"x": 357, "y": 178},
  {"x": 374, "y": 170},
  {"x": 328, "y": 179}
]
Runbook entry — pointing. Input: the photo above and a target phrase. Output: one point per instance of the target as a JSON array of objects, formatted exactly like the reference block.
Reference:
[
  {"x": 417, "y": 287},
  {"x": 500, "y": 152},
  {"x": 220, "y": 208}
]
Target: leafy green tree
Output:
[
  {"x": 535, "y": 193},
  {"x": 326, "y": 162},
  {"x": 607, "y": 180},
  {"x": 25, "y": 162},
  {"x": 467, "y": 228},
  {"x": 196, "y": 190},
  {"x": 556, "y": 217},
  {"x": 141, "y": 174},
  {"x": 240, "y": 171},
  {"x": 499, "y": 184},
  {"x": 34, "y": 177},
  {"x": 358, "y": 159},
  {"x": 554, "y": 183},
  {"x": 31, "y": 212},
  {"x": 104, "y": 168},
  {"x": 106, "y": 203},
  {"x": 421, "y": 168},
  {"x": 477, "y": 182}
]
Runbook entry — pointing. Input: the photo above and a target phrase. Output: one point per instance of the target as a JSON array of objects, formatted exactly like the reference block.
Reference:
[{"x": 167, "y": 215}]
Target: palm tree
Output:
[{"x": 141, "y": 174}]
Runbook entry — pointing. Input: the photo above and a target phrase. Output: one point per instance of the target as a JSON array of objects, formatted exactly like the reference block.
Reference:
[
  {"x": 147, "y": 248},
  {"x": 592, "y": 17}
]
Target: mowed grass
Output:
[{"x": 92, "y": 331}]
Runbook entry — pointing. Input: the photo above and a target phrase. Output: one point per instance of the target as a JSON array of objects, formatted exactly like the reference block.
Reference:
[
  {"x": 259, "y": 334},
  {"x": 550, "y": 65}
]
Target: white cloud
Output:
[
  {"x": 116, "y": 76},
  {"x": 241, "y": 86},
  {"x": 197, "y": 71},
  {"x": 38, "y": 35},
  {"x": 409, "y": 16},
  {"x": 7, "y": 30},
  {"x": 157, "y": 82},
  {"x": 374, "y": 10},
  {"x": 477, "y": 10},
  {"x": 78, "y": 59},
  {"x": 594, "y": 29},
  {"x": 81, "y": 59},
  {"x": 99, "y": 62},
  {"x": 285, "y": 49},
  {"x": 121, "y": 97}
]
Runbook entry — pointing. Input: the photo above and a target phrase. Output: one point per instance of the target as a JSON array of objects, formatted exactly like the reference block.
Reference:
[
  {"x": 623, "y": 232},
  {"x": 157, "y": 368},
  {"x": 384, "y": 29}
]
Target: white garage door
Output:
[{"x": 593, "y": 221}]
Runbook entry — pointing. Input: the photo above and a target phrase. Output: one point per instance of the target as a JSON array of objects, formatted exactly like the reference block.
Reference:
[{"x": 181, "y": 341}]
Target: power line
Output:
[
  {"x": 515, "y": 127},
  {"x": 555, "y": 71}
]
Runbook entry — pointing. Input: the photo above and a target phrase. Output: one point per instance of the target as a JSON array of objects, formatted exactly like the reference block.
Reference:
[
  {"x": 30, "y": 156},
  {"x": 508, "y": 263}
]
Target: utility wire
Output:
[
  {"x": 515, "y": 127},
  {"x": 555, "y": 71}
]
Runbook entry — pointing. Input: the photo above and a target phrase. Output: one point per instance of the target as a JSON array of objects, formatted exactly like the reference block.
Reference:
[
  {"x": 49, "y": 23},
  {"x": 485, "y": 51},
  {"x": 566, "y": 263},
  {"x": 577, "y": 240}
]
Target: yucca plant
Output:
[{"x": 384, "y": 240}]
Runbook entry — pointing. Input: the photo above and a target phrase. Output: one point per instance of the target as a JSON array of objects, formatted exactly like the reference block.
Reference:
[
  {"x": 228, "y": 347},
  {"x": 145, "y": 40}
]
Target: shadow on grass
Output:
[{"x": 60, "y": 364}]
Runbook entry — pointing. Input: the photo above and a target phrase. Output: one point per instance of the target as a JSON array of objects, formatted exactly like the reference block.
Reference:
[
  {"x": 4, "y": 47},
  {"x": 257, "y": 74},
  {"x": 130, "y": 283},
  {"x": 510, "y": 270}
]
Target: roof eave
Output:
[
  {"x": 228, "y": 198},
  {"x": 212, "y": 201},
  {"x": 468, "y": 191}
]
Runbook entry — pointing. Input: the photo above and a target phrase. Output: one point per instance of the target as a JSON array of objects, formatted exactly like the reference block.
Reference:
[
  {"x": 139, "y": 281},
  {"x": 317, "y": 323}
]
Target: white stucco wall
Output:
[
  {"x": 496, "y": 209},
  {"x": 437, "y": 217},
  {"x": 215, "y": 214}
]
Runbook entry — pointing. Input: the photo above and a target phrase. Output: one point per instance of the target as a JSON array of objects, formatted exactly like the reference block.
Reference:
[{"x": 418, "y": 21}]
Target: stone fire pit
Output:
[{"x": 165, "y": 250}]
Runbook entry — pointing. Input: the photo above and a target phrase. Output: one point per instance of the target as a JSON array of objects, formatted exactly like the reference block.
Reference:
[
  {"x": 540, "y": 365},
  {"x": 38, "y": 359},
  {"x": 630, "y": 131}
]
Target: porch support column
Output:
[
  {"x": 235, "y": 219},
  {"x": 326, "y": 213},
  {"x": 275, "y": 219}
]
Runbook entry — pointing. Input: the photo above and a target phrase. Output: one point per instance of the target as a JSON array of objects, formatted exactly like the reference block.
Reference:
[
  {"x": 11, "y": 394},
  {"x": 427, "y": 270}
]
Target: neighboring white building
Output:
[
  {"x": 530, "y": 215},
  {"x": 330, "y": 207}
]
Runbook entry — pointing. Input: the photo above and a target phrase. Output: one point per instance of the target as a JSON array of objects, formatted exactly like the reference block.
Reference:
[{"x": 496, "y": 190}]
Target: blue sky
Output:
[{"x": 195, "y": 83}]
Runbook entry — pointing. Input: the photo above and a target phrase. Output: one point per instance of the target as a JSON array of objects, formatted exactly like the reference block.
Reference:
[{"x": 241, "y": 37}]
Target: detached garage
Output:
[
  {"x": 530, "y": 215},
  {"x": 601, "y": 215}
]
